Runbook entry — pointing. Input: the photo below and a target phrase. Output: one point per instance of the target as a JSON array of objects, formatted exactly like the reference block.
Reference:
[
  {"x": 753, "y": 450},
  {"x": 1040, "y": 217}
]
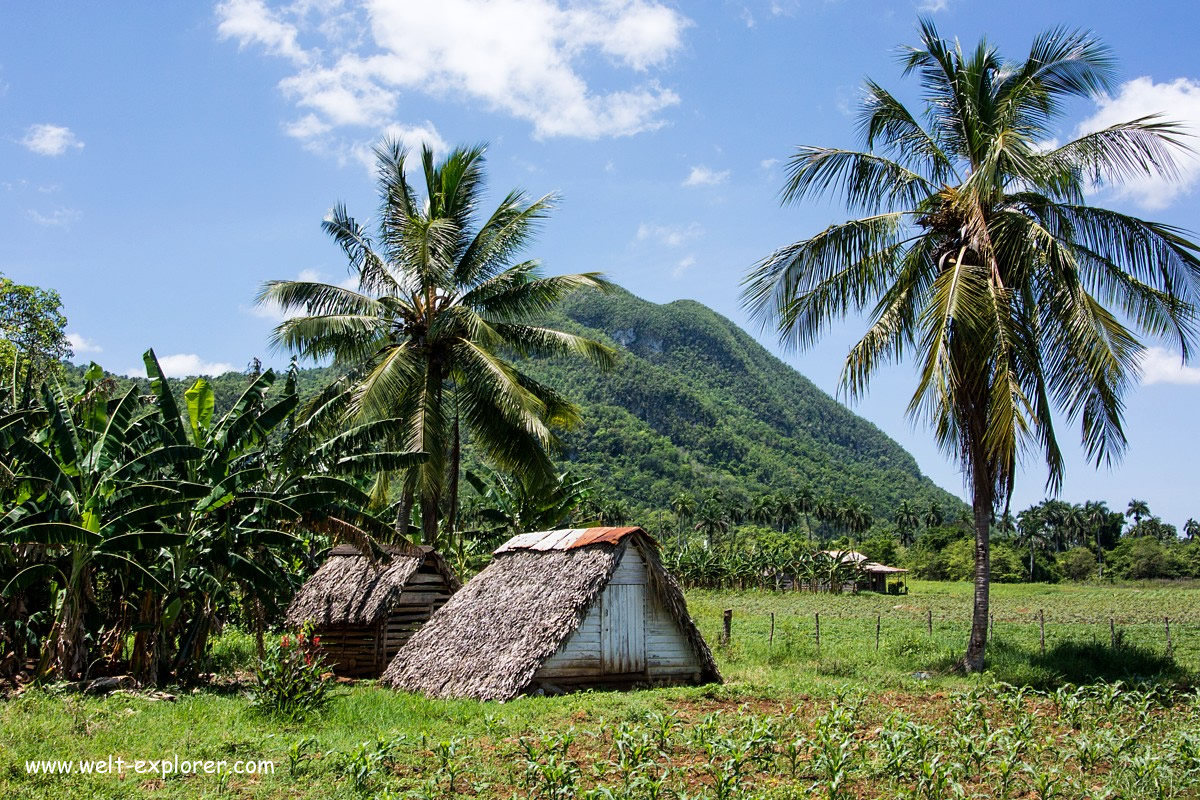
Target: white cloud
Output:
[
  {"x": 933, "y": 6},
  {"x": 703, "y": 176},
  {"x": 251, "y": 21},
  {"x": 58, "y": 218},
  {"x": 669, "y": 235},
  {"x": 767, "y": 163},
  {"x": 183, "y": 365},
  {"x": 411, "y": 136},
  {"x": 50, "y": 140},
  {"x": 1162, "y": 366},
  {"x": 519, "y": 57},
  {"x": 685, "y": 263},
  {"x": 1177, "y": 101},
  {"x": 81, "y": 346}
]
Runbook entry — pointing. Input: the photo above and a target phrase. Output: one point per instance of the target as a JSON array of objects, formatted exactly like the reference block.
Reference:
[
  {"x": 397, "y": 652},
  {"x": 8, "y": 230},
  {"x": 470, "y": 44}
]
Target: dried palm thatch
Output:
[
  {"x": 351, "y": 588},
  {"x": 495, "y": 633}
]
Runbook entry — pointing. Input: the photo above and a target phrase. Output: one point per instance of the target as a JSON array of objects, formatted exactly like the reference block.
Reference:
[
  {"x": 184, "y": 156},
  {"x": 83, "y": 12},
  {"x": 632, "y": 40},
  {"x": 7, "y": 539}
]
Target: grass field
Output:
[{"x": 847, "y": 721}]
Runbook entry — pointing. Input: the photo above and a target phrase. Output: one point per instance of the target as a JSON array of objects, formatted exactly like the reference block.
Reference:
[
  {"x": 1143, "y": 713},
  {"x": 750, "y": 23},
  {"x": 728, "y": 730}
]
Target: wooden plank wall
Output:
[
  {"x": 670, "y": 657},
  {"x": 364, "y": 651}
]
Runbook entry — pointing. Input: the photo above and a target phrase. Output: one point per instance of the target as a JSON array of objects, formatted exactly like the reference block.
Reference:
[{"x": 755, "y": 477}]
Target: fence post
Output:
[
  {"x": 929, "y": 620},
  {"x": 817, "y": 616},
  {"x": 1042, "y": 622},
  {"x": 1112, "y": 633},
  {"x": 771, "y": 638},
  {"x": 728, "y": 635},
  {"x": 1170, "y": 647},
  {"x": 991, "y": 624},
  {"x": 878, "y": 617}
]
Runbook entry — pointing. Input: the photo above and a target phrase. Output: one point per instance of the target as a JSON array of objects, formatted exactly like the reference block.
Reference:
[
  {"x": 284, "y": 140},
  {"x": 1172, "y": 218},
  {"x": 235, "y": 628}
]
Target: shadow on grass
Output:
[{"x": 1083, "y": 663}]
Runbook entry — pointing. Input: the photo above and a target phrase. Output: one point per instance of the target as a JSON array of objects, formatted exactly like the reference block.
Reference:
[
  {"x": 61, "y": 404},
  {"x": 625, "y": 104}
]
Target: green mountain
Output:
[{"x": 696, "y": 402}]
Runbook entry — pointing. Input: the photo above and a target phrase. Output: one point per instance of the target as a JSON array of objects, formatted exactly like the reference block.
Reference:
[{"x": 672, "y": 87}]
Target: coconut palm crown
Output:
[
  {"x": 428, "y": 338},
  {"x": 977, "y": 255}
]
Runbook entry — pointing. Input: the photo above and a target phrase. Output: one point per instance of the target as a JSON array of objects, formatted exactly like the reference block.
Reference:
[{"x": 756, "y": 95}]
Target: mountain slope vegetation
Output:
[{"x": 694, "y": 403}]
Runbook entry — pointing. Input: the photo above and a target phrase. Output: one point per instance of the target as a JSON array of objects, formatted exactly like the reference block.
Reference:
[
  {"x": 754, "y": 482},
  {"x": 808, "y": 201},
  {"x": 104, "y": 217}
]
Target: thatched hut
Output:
[
  {"x": 365, "y": 608},
  {"x": 559, "y": 611}
]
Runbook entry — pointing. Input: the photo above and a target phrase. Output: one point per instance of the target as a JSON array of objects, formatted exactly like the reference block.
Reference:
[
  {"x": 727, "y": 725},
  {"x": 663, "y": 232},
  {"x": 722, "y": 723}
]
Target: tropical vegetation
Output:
[{"x": 978, "y": 257}]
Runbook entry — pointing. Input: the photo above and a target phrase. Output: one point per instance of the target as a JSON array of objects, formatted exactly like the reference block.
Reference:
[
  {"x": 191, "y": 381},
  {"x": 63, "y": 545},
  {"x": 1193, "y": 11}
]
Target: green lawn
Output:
[{"x": 774, "y": 729}]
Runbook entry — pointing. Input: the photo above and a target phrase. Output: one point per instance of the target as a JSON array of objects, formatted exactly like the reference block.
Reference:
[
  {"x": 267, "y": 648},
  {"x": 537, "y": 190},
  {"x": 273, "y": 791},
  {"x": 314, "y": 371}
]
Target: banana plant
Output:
[{"x": 89, "y": 496}]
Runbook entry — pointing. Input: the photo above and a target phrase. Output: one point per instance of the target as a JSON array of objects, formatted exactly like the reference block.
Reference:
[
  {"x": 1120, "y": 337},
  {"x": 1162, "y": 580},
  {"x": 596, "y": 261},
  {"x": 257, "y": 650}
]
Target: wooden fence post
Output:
[
  {"x": 1042, "y": 622},
  {"x": 878, "y": 617},
  {"x": 1112, "y": 633},
  {"x": 817, "y": 616},
  {"x": 991, "y": 624},
  {"x": 771, "y": 638},
  {"x": 728, "y": 635},
  {"x": 929, "y": 620},
  {"x": 1170, "y": 647}
]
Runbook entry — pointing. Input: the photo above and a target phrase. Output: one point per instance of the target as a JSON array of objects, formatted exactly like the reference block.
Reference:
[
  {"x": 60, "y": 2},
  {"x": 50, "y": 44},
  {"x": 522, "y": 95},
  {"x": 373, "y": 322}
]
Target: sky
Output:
[{"x": 159, "y": 164}]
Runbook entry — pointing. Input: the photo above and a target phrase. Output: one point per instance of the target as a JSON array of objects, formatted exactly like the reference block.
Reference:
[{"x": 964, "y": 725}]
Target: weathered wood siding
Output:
[
  {"x": 626, "y": 637},
  {"x": 364, "y": 651},
  {"x": 623, "y": 628}
]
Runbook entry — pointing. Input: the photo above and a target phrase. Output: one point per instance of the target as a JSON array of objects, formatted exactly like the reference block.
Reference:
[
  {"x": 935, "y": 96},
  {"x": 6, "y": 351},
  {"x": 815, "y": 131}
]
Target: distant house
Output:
[
  {"x": 559, "y": 611},
  {"x": 876, "y": 574},
  {"x": 365, "y": 609}
]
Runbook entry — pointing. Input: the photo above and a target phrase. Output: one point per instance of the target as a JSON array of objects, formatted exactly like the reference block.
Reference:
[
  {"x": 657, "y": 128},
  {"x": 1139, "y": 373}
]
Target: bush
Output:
[
  {"x": 291, "y": 678},
  {"x": 1078, "y": 563}
]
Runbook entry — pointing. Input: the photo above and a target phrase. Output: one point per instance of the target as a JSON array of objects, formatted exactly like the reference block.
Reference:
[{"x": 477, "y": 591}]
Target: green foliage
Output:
[
  {"x": 695, "y": 402},
  {"x": 33, "y": 339},
  {"x": 1077, "y": 564},
  {"x": 291, "y": 677}
]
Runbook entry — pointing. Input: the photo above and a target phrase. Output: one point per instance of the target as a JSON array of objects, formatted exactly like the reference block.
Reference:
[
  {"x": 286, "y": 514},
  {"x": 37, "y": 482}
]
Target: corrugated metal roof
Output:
[{"x": 565, "y": 539}]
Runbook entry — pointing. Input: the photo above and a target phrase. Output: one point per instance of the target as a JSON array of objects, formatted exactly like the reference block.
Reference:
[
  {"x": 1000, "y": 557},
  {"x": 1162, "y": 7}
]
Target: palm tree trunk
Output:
[
  {"x": 982, "y": 506},
  {"x": 404, "y": 512},
  {"x": 455, "y": 466}
]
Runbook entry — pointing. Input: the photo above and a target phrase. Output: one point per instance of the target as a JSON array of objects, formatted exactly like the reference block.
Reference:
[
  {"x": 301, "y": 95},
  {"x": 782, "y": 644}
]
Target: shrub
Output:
[
  {"x": 1078, "y": 563},
  {"x": 291, "y": 677}
]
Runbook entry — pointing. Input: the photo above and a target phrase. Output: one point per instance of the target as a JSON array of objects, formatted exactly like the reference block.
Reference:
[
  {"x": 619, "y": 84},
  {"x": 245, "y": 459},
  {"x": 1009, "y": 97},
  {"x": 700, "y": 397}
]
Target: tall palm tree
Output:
[
  {"x": 978, "y": 256},
  {"x": 683, "y": 505},
  {"x": 806, "y": 504},
  {"x": 934, "y": 515},
  {"x": 1191, "y": 529},
  {"x": 764, "y": 509},
  {"x": 1137, "y": 509},
  {"x": 1097, "y": 516},
  {"x": 712, "y": 519},
  {"x": 907, "y": 522},
  {"x": 440, "y": 308}
]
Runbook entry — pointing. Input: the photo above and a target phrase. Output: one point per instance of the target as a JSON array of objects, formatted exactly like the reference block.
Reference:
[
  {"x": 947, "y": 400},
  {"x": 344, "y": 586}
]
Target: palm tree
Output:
[
  {"x": 764, "y": 509},
  {"x": 1097, "y": 516},
  {"x": 856, "y": 517},
  {"x": 806, "y": 504},
  {"x": 1191, "y": 529},
  {"x": 684, "y": 507},
  {"x": 438, "y": 311},
  {"x": 907, "y": 521},
  {"x": 1137, "y": 509},
  {"x": 977, "y": 255},
  {"x": 712, "y": 520},
  {"x": 934, "y": 515}
]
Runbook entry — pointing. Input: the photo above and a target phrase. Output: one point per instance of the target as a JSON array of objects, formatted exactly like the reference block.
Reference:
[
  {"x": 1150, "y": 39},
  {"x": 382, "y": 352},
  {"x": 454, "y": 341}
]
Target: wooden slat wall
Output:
[{"x": 365, "y": 651}]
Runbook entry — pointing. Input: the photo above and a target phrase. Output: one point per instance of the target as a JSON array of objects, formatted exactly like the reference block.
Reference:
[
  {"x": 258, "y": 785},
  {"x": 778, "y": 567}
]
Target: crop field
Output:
[{"x": 844, "y": 721}]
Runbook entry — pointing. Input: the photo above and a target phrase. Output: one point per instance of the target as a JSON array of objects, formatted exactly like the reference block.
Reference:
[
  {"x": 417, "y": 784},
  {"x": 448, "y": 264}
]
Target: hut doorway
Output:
[{"x": 623, "y": 629}]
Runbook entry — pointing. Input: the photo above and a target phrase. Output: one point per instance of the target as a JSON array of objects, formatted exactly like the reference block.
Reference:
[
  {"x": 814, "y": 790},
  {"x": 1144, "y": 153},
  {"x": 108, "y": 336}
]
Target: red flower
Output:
[
  {"x": 308, "y": 659},
  {"x": 285, "y": 641},
  {"x": 316, "y": 640}
]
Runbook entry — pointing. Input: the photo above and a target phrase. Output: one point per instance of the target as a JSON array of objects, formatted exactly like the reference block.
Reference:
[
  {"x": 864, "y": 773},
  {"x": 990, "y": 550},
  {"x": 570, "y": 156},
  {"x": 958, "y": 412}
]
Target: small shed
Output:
[
  {"x": 365, "y": 608},
  {"x": 559, "y": 611}
]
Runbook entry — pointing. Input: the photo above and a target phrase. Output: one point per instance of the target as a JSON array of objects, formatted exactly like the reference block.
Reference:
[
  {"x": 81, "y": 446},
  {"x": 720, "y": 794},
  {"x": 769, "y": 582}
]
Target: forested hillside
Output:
[{"x": 695, "y": 403}]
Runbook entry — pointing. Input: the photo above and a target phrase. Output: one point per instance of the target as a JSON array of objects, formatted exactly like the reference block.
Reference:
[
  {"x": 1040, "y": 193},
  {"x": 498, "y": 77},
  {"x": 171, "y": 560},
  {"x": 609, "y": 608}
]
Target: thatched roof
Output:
[
  {"x": 495, "y": 633},
  {"x": 351, "y": 588}
]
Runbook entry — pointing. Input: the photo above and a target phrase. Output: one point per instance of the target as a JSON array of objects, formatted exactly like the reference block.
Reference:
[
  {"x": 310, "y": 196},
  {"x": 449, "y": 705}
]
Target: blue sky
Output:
[{"x": 157, "y": 165}]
